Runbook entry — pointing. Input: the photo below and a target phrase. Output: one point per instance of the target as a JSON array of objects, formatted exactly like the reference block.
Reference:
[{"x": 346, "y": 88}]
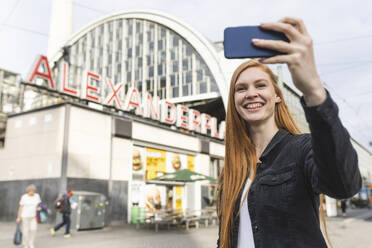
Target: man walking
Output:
[{"x": 64, "y": 207}]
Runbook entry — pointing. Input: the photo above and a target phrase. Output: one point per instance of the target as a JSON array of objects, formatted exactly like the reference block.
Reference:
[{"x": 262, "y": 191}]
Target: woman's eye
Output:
[
  {"x": 239, "y": 89},
  {"x": 260, "y": 85}
]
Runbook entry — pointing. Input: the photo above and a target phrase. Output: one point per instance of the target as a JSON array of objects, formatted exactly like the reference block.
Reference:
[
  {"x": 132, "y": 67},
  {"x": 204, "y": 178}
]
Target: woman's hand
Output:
[
  {"x": 18, "y": 220},
  {"x": 299, "y": 56}
]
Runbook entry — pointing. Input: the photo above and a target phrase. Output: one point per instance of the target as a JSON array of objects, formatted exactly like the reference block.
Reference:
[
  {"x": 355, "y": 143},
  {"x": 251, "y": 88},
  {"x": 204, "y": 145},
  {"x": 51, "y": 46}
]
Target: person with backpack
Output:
[{"x": 63, "y": 206}]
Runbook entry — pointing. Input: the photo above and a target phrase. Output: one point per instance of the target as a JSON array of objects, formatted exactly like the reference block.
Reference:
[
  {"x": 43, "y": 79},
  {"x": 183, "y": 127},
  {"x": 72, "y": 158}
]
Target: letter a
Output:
[{"x": 46, "y": 75}]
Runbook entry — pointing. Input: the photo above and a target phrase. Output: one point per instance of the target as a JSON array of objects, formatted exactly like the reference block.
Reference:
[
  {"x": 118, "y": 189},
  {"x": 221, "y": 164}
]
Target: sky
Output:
[{"x": 341, "y": 31}]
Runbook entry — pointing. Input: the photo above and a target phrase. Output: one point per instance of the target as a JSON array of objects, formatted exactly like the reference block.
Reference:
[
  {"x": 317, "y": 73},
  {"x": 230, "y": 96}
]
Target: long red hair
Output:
[{"x": 240, "y": 154}]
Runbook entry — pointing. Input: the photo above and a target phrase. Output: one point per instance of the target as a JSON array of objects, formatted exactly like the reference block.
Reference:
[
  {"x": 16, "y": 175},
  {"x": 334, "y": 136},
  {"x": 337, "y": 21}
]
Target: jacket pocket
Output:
[
  {"x": 276, "y": 189},
  {"x": 276, "y": 179}
]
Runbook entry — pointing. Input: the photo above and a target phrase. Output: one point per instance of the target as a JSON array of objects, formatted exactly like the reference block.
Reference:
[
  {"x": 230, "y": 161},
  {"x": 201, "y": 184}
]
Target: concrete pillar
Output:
[{"x": 60, "y": 28}]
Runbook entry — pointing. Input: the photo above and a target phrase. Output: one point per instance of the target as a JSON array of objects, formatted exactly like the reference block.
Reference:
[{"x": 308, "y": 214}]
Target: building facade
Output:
[{"x": 76, "y": 128}]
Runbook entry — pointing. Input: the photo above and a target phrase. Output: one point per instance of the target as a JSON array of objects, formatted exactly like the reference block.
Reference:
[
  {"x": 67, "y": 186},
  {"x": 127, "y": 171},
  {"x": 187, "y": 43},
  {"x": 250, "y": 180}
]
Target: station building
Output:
[{"x": 131, "y": 96}]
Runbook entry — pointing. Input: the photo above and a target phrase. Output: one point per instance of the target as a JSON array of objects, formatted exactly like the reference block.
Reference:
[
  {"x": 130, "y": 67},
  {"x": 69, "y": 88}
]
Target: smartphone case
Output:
[{"x": 238, "y": 42}]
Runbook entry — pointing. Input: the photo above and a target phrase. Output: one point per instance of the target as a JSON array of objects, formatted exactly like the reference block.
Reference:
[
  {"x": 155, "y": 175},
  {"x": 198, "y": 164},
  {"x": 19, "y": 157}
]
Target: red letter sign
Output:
[
  {"x": 114, "y": 95},
  {"x": 87, "y": 87},
  {"x": 46, "y": 75},
  {"x": 194, "y": 120},
  {"x": 150, "y": 106},
  {"x": 205, "y": 123},
  {"x": 182, "y": 116},
  {"x": 63, "y": 79},
  {"x": 133, "y": 101},
  {"x": 169, "y": 118}
]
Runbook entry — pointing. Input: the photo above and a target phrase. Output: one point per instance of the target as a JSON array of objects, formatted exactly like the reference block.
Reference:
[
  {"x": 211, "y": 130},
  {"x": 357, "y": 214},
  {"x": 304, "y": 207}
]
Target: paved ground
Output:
[{"x": 355, "y": 231}]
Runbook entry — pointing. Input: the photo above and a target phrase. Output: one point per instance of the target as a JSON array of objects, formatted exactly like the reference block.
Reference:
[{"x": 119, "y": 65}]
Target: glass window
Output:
[
  {"x": 148, "y": 84},
  {"x": 138, "y": 27},
  {"x": 162, "y": 82},
  {"x": 173, "y": 54},
  {"x": 129, "y": 76},
  {"x": 119, "y": 44},
  {"x": 129, "y": 53},
  {"x": 185, "y": 64},
  {"x": 150, "y": 59},
  {"x": 203, "y": 87},
  {"x": 175, "y": 41},
  {"x": 160, "y": 94},
  {"x": 199, "y": 75},
  {"x": 175, "y": 92},
  {"x": 138, "y": 51},
  {"x": 160, "y": 70},
  {"x": 151, "y": 71},
  {"x": 137, "y": 75},
  {"x": 185, "y": 90},
  {"x": 175, "y": 66},
  {"x": 188, "y": 77},
  {"x": 160, "y": 45},
  {"x": 118, "y": 57},
  {"x": 174, "y": 80},
  {"x": 139, "y": 62},
  {"x": 189, "y": 50},
  {"x": 151, "y": 46},
  {"x": 162, "y": 32},
  {"x": 128, "y": 65}
]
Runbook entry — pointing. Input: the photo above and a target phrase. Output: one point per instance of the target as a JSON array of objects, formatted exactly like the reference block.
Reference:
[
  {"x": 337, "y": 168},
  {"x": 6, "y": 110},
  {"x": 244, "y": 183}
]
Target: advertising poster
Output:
[
  {"x": 191, "y": 162},
  {"x": 155, "y": 198},
  {"x": 148, "y": 163},
  {"x": 178, "y": 197},
  {"x": 138, "y": 175},
  {"x": 138, "y": 163},
  {"x": 176, "y": 161},
  {"x": 155, "y": 163}
]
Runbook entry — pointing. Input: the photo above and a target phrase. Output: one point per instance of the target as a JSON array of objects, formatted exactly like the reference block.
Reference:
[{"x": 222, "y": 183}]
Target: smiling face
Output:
[{"x": 255, "y": 96}]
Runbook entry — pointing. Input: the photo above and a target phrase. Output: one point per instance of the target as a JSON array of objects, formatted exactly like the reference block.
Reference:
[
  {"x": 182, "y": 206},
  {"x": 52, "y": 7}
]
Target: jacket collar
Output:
[{"x": 274, "y": 142}]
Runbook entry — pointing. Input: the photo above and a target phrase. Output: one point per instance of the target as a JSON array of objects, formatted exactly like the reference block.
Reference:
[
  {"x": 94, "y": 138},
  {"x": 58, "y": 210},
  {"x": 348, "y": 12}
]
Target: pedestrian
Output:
[
  {"x": 343, "y": 207},
  {"x": 28, "y": 206},
  {"x": 270, "y": 186},
  {"x": 65, "y": 209}
]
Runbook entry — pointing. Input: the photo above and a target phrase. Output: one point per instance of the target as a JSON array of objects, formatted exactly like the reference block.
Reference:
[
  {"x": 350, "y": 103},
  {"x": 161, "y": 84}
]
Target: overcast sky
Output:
[{"x": 341, "y": 30}]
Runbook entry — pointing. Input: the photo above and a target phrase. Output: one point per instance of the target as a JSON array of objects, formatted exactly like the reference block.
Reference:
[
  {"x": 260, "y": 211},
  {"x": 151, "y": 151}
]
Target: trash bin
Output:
[
  {"x": 90, "y": 210},
  {"x": 137, "y": 215}
]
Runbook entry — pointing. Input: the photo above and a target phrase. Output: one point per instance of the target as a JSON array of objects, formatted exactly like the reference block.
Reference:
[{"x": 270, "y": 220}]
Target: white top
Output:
[
  {"x": 29, "y": 204},
  {"x": 245, "y": 235}
]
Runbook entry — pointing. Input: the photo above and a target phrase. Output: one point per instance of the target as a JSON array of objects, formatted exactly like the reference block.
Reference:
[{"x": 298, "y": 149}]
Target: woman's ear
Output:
[{"x": 277, "y": 99}]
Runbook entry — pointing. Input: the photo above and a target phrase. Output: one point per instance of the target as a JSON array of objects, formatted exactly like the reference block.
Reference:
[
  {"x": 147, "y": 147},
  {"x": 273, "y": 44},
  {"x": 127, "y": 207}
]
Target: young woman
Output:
[
  {"x": 273, "y": 175},
  {"x": 28, "y": 206}
]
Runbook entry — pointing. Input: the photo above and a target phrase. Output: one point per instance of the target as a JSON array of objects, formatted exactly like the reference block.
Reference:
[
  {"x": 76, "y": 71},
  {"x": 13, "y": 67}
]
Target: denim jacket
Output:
[{"x": 283, "y": 201}]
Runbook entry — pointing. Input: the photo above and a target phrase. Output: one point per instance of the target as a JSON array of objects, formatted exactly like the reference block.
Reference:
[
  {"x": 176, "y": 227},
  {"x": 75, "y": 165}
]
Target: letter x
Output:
[{"x": 115, "y": 92}]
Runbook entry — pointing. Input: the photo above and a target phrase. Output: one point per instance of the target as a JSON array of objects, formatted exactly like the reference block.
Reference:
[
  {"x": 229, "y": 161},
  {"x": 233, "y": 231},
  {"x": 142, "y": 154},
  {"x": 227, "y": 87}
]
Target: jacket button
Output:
[{"x": 255, "y": 228}]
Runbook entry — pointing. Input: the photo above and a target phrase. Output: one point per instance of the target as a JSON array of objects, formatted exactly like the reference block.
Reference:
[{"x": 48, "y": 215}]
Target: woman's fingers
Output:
[
  {"x": 279, "y": 59},
  {"x": 277, "y": 45},
  {"x": 297, "y": 23},
  {"x": 288, "y": 29}
]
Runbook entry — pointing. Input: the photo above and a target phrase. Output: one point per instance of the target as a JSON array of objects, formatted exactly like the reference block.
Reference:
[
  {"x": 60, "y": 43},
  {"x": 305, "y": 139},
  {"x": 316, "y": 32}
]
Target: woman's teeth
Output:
[{"x": 253, "y": 105}]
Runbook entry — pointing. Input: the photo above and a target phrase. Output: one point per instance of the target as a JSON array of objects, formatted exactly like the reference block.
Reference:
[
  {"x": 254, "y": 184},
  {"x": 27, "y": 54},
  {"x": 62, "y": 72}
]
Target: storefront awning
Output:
[{"x": 181, "y": 177}]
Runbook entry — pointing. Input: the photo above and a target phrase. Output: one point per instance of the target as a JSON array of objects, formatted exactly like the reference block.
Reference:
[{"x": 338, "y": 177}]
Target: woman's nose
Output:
[{"x": 250, "y": 94}]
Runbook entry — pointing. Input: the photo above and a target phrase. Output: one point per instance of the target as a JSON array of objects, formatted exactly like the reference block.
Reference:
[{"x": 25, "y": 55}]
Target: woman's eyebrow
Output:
[{"x": 255, "y": 81}]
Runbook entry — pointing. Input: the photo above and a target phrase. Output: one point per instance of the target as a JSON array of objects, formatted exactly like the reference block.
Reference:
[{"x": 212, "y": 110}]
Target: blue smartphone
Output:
[{"x": 238, "y": 42}]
